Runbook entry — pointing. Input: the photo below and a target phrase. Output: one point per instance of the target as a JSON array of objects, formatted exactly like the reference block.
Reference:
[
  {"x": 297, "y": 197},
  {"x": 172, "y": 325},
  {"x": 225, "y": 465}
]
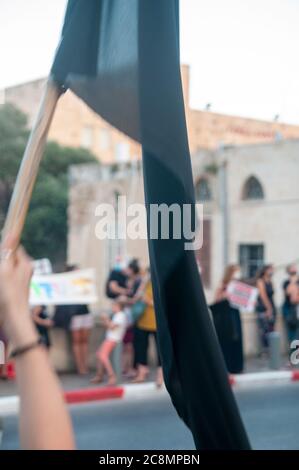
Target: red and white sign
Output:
[{"x": 242, "y": 296}]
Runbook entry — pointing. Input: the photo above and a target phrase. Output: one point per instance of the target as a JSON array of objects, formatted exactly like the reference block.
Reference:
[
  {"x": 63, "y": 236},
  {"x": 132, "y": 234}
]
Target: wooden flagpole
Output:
[{"x": 28, "y": 171}]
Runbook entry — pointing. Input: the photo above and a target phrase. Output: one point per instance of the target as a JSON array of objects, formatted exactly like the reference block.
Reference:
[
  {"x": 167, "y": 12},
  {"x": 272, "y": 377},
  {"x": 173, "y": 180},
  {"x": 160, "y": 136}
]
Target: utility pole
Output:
[{"x": 224, "y": 211}]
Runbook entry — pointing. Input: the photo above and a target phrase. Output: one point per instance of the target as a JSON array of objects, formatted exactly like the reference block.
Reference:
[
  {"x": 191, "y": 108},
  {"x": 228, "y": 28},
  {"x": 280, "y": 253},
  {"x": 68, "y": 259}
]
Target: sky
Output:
[{"x": 242, "y": 53}]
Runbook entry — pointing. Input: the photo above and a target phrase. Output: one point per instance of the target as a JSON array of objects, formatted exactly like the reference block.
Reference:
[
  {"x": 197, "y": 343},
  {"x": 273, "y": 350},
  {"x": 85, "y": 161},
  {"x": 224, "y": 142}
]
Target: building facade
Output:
[
  {"x": 251, "y": 201},
  {"x": 250, "y": 197},
  {"x": 75, "y": 125}
]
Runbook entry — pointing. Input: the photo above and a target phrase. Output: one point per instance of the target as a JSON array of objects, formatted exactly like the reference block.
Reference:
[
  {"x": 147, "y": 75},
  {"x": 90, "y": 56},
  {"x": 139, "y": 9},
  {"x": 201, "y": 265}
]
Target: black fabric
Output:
[
  {"x": 260, "y": 307},
  {"x": 43, "y": 330},
  {"x": 135, "y": 84},
  {"x": 64, "y": 314},
  {"x": 289, "y": 309},
  {"x": 80, "y": 309},
  {"x": 135, "y": 287},
  {"x": 120, "y": 278},
  {"x": 287, "y": 300},
  {"x": 98, "y": 59},
  {"x": 141, "y": 344},
  {"x": 291, "y": 317},
  {"x": 229, "y": 331}
]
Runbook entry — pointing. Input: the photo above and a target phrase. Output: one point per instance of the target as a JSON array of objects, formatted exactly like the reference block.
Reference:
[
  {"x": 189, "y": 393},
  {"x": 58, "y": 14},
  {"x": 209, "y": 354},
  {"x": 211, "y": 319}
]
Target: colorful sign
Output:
[
  {"x": 242, "y": 296},
  {"x": 42, "y": 266},
  {"x": 75, "y": 287}
]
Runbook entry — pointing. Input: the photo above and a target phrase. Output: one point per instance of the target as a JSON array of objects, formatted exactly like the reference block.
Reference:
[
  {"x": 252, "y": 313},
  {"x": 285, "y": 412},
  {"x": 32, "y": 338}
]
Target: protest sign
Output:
[
  {"x": 42, "y": 266},
  {"x": 75, "y": 287},
  {"x": 242, "y": 296}
]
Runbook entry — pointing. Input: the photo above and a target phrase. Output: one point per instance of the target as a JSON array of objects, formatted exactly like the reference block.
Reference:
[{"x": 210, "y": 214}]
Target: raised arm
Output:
[{"x": 44, "y": 419}]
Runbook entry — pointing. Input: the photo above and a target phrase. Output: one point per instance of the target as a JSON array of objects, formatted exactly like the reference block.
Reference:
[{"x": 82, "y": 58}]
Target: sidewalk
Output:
[
  {"x": 69, "y": 381},
  {"x": 72, "y": 381},
  {"x": 79, "y": 390}
]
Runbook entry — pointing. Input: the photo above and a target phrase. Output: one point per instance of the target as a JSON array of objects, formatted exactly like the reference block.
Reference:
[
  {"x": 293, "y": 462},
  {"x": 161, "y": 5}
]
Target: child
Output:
[{"x": 116, "y": 328}]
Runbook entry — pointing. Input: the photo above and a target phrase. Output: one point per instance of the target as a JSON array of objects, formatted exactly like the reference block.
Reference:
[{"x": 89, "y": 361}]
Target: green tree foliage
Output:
[{"x": 45, "y": 233}]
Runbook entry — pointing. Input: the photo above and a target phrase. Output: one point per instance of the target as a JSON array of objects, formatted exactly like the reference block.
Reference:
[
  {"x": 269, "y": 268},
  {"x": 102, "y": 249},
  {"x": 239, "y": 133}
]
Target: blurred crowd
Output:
[
  {"x": 130, "y": 322},
  {"x": 227, "y": 318}
]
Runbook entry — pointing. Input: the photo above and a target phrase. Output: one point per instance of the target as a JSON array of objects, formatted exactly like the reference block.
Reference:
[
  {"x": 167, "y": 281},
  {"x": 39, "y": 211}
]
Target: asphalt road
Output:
[{"x": 271, "y": 415}]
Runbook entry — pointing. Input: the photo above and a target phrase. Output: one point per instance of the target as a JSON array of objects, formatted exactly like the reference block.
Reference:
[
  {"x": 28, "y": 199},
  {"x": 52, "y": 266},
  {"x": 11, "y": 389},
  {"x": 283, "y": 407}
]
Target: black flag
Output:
[{"x": 122, "y": 58}]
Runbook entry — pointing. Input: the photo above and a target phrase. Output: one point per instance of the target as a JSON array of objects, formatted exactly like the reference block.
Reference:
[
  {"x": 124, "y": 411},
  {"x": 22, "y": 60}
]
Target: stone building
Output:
[
  {"x": 76, "y": 125},
  {"x": 250, "y": 198}
]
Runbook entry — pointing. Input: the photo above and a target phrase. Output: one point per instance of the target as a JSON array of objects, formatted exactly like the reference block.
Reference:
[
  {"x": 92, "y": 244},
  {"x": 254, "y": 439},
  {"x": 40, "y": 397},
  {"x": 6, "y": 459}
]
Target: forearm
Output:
[
  {"x": 41, "y": 406},
  {"x": 266, "y": 302},
  {"x": 148, "y": 301},
  {"x": 116, "y": 289},
  {"x": 40, "y": 321},
  {"x": 220, "y": 295},
  {"x": 111, "y": 325},
  {"x": 44, "y": 420}
]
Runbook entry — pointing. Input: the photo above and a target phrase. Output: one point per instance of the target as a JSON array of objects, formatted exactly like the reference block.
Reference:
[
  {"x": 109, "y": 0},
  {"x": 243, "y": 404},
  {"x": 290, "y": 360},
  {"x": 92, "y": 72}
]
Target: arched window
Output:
[
  {"x": 252, "y": 189},
  {"x": 203, "y": 190}
]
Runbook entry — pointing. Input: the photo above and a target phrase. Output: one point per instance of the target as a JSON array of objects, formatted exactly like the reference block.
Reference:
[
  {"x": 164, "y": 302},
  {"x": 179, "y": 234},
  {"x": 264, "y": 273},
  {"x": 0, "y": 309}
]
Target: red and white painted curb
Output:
[
  {"x": 262, "y": 377},
  {"x": 10, "y": 405}
]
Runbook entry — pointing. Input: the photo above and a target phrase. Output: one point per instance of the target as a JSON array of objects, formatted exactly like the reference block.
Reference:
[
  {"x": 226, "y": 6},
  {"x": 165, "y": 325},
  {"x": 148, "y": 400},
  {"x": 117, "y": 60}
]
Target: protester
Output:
[
  {"x": 134, "y": 280},
  {"x": 134, "y": 275},
  {"x": 44, "y": 423},
  {"x": 124, "y": 281},
  {"x": 145, "y": 327},
  {"x": 265, "y": 306},
  {"x": 43, "y": 323},
  {"x": 291, "y": 301},
  {"x": 116, "y": 327},
  {"x": 79, "y": 321},
  {"x": 228, "y": 323},
  {"x": 116, "y": 284}
]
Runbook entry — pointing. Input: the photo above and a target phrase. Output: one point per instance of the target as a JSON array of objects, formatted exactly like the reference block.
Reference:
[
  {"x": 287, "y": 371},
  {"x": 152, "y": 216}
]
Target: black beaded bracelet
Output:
[{"x": 23, "y": 349}]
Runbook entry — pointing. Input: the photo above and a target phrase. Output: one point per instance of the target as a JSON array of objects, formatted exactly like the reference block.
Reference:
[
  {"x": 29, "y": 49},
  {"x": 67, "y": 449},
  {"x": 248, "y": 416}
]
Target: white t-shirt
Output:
[{"x": 116, "y": 334}]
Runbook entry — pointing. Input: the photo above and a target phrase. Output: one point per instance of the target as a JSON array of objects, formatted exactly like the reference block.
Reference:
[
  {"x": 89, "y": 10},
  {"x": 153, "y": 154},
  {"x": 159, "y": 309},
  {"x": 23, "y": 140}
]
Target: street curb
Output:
[
  {"x": 267, "y": 376},
  {"x": 10, "y": 405},
  {"x": 93, "y": 394}
]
